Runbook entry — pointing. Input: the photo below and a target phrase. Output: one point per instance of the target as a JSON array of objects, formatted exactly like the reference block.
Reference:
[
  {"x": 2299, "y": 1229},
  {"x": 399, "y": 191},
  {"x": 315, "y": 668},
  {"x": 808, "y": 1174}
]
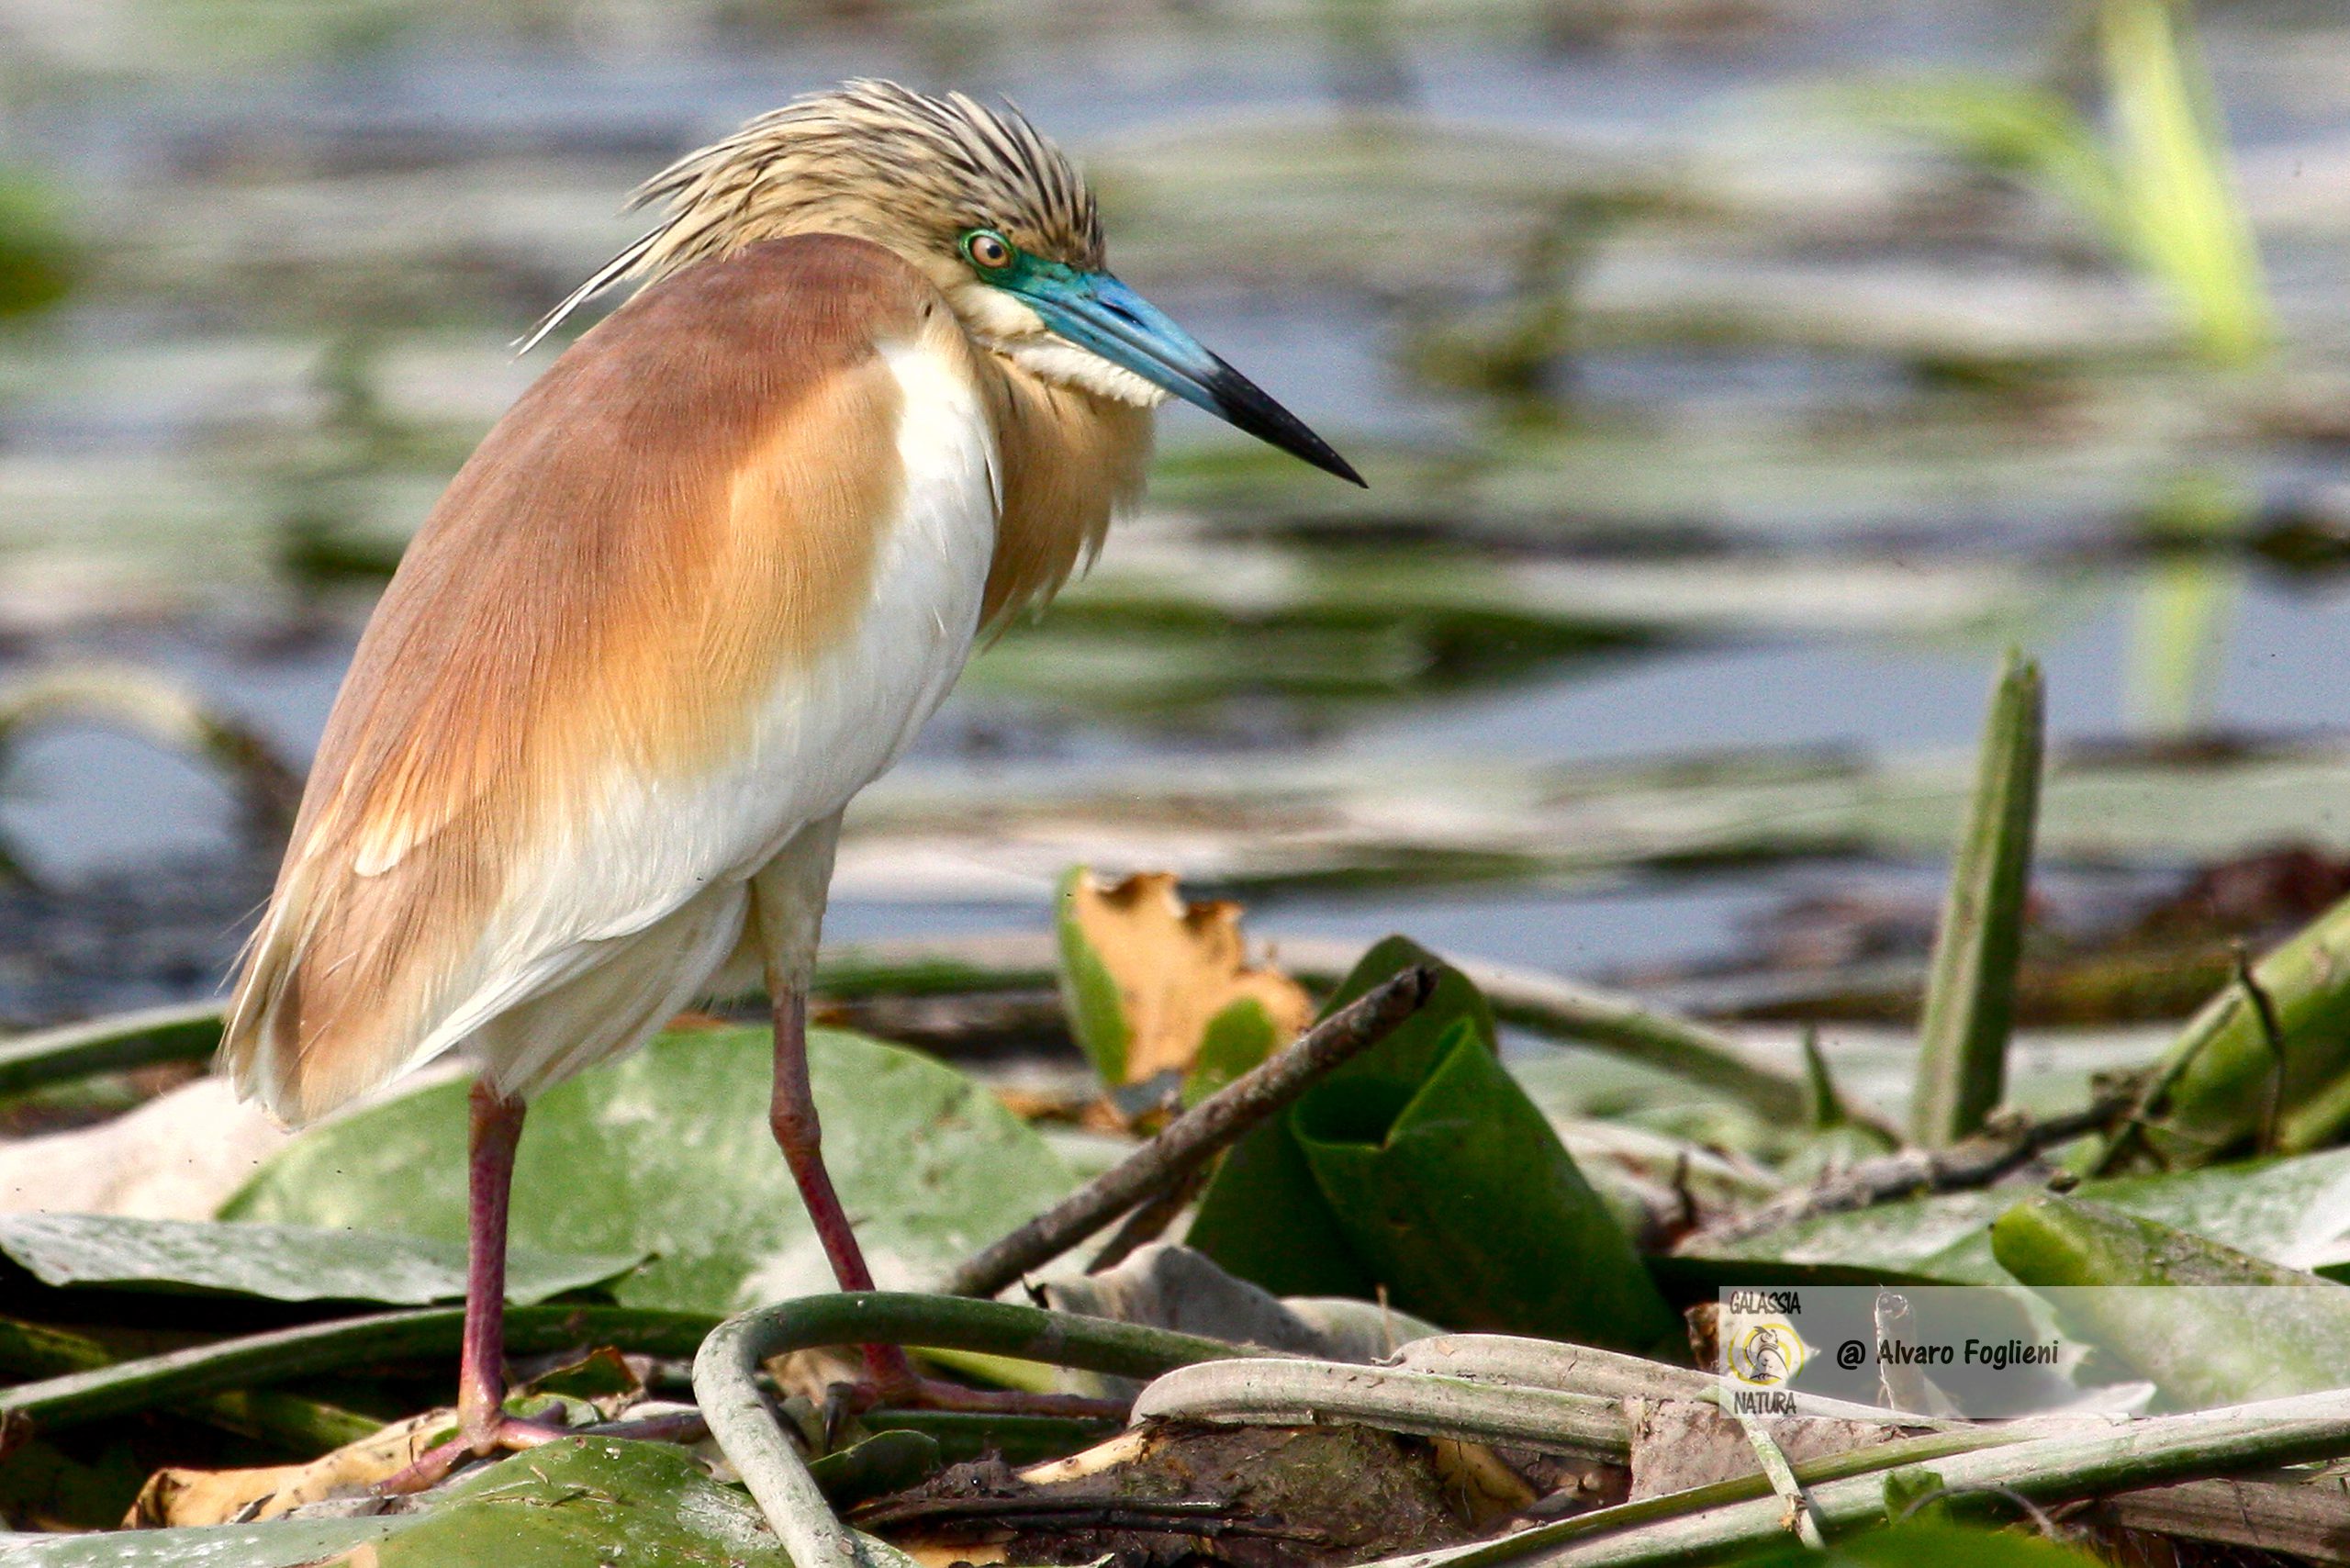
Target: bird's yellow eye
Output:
[{"x": 988, "y": 251}]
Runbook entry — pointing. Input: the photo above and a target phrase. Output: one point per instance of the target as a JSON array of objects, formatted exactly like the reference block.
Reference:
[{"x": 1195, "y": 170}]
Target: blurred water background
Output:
[{"x": 1735, "y": 379}]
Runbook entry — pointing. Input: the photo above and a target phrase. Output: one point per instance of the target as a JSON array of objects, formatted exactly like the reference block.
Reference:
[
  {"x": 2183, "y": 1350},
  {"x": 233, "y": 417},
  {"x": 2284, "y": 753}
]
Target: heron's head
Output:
[{"x": 988, "y": 207}]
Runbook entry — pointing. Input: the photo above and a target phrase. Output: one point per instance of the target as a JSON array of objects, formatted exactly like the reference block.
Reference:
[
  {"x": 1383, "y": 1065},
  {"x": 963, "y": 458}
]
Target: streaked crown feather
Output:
[{"x": 870, "y": 159}]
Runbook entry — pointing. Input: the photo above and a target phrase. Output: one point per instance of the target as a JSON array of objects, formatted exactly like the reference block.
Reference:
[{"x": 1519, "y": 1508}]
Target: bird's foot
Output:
[
  {"x": 511, "y": 1434},
  {"x": 506, "y": 1434}
]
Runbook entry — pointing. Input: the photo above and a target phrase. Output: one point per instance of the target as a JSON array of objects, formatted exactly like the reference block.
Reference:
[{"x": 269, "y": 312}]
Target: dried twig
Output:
[
  {"x": 1149, "y": 1222},
  {"x": 1980, "y": 1160},
  {"x": 1199, "y": 1134}
]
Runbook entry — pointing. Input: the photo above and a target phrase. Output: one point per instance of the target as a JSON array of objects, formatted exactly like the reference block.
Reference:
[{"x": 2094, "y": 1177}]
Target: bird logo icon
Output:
[{"x": 1768, "y": 1354}]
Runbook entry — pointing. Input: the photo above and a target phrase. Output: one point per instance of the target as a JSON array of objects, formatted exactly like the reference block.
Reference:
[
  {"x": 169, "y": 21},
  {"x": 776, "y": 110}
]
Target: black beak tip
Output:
[
  {"x": 1245, "y": 404},
  {"x": 1343, "y": 469}
]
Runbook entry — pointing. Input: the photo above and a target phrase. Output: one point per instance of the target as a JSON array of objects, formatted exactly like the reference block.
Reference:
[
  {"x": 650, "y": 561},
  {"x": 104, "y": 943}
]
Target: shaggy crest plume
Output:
[{"x": 870, "y": 159}]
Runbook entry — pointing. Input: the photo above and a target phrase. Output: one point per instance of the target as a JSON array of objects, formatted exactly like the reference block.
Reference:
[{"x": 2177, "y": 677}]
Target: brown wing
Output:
[{"x": 681, "y": 507}]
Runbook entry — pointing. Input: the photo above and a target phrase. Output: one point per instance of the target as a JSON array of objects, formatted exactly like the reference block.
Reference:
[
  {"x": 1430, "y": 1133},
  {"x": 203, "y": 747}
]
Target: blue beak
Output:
[{"x": 1095, "y": 311}]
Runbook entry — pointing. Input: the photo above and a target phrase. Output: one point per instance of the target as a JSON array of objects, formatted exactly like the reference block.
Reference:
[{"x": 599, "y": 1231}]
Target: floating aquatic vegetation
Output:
[
  {"x": 39, "y": 261},
  {"x": 2155, "y": 182}
]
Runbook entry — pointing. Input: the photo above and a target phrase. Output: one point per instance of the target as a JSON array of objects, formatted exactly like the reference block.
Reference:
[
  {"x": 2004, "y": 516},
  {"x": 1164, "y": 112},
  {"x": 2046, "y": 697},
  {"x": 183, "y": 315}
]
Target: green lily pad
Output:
[
  {"x": 281, "y": 1543},
  {"x": 1466, "y": 1204},
  {"x": 1263, "y": 1217},
  {"x": 576, "y": 1503},
  {"x": 2208, "y": 1324},
  {"x": 589, "y": 1502},
  {"x": 1422, "y": 1166},
  {"x": 278, "y": 1262},
  {"x": 2287, "y": 1211},
  {"x": 669, "y": 1149}
]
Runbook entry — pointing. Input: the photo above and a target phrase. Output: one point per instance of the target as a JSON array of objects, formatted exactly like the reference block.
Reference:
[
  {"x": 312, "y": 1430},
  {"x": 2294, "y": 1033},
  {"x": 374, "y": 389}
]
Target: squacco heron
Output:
[{"x": 700, "y": 584}]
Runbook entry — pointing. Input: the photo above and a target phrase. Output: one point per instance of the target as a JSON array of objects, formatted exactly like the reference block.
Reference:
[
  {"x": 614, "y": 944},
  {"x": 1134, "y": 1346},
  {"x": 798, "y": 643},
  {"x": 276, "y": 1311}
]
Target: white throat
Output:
[
  {"x": 1002, "y": 323},
  {"x": 1062, "y": 363}
]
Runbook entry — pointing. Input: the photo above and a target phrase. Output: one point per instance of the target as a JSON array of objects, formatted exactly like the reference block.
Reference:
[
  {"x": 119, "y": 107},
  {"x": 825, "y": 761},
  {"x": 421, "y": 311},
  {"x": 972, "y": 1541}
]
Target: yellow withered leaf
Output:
[
  {"x": 1148, "y": 980},
  {"x": 181, "y": 1496}
]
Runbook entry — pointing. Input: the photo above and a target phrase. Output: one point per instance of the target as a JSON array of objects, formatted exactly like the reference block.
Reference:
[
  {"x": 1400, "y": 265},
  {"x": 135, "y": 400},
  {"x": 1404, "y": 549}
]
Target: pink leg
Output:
[
  {"x": 483, "y": 1427},
  {"x": 495, "y": 1127},
  {"x": 791, "y": 1114}
]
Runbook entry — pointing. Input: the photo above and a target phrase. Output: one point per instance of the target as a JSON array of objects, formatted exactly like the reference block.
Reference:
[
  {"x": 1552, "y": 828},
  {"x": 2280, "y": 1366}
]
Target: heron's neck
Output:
[{"x": 1072, "y": 460}]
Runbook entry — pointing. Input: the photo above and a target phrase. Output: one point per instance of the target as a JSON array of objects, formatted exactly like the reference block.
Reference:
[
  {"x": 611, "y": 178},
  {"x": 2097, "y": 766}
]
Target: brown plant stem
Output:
[
  {"x": 2001, "y": 1147},
  {"x": 1195, "y": 1136}
]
